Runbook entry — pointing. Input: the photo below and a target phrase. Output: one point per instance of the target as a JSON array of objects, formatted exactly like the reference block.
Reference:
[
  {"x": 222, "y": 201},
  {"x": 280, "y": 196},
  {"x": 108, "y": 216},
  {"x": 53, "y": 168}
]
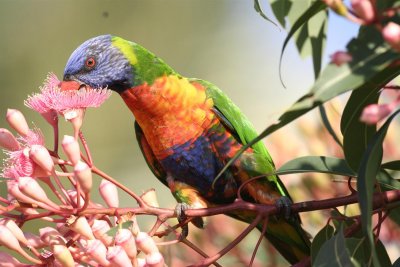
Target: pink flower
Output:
[
  {"x": 19, "y": 162},
  {"x": 341, "y": 57},
  {"x": 52, "y": 97},
  {"x": 364, "y": 10},
  {"x": 373, "y": 113},
  {"x": 391, "y": 33}
]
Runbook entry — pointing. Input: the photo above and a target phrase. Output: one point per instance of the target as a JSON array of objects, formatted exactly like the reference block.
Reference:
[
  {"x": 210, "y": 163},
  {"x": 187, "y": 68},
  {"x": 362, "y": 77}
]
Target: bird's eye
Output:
[{"x": 90, "y": 63}]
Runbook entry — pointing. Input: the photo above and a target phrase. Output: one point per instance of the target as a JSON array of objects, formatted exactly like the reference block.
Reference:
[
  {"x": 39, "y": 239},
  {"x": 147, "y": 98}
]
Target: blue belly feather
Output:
[{"x": 196, "y": 163}]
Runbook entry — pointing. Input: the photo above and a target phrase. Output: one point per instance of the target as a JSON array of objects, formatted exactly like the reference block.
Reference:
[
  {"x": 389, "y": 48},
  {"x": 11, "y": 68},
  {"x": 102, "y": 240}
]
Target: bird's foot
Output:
[
  {"x": 284, "y": 204},
  {"x": 181, "y": 216}
]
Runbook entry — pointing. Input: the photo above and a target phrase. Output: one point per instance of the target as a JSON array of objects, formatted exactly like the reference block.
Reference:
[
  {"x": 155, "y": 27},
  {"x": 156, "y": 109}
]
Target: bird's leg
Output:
[{"x": 188, "y": 198}]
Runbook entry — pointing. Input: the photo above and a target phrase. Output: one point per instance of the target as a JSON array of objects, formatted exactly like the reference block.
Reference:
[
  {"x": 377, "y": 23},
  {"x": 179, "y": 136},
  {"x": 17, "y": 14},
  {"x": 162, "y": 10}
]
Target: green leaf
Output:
[
  {"x": 333, "y": 253},
  {"x": 392, "y": 165},
  {"x": 357, "y": 134},
  {"x": 323, "y": 235},
  {"x": 371, "y": 67},
  {"x": 257, "y": 7},
  {"x": 328, "y": 126},
  {"x": 397, "y": 263},
  {"x": 281, "y": 9},
  {"x": 355, "y": 249},
  {"x": 387, "y": 182},
  {"x": 368, "y": 171},
  {"x": 302, "y": 20},
  {"x": 316, "y": 164}
]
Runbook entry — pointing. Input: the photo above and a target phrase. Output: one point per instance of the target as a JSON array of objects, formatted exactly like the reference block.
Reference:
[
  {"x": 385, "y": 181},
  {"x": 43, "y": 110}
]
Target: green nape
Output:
[{"x": 147, "y": 66}]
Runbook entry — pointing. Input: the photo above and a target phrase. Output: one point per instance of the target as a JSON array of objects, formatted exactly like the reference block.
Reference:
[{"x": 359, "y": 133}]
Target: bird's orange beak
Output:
[
  {"x": 72, "y": 85},
  {"x": 69, "y": 85}
]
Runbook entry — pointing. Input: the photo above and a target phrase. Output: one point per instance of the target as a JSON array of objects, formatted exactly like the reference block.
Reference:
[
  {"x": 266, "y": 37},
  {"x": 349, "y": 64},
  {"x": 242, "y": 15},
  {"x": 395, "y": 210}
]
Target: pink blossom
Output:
[
  {"x": 145, "y": 243},
  {"x": 71, "y": 149},
  {"x": 155, "y": 259},
  {"x": 364, "y": 10},
  {"x": 391, "y": 33},
  {"x": 109, "y": 193},
  {"x": 52, "y": 97},
  {"x": 83, "y": 175},
  {"x": 117, "y": 256},
  {"x": 81, "y": 226},
  {"x": 8, "y": 141},
  {"x": 124, "y": 238},
  {"x": 341, "y": 57},
  {"x": 17, "y": 121},
  {"x": 18, "y": 163},
  {"x": 97, "y": 251},
  {"x": 373, "y": 113}
]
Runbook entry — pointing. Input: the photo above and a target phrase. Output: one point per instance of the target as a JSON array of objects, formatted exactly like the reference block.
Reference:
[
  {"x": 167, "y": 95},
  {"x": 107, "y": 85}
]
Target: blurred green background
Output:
[{"x": 226, "y": 42}]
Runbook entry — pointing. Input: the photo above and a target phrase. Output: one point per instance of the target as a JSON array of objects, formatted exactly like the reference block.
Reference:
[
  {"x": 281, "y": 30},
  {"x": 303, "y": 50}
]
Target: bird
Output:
[{"x": 187, "y": 130}]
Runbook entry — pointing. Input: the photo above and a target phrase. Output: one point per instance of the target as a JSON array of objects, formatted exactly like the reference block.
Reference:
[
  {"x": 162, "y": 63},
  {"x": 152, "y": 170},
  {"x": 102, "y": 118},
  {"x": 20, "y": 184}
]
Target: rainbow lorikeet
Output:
[{"x": 187, "y": 129}]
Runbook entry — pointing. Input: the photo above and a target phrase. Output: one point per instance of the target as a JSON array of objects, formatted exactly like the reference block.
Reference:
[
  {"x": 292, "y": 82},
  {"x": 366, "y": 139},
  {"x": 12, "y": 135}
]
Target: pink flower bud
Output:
[
  {"x": 150, "y": 198},
  {"x": 47, "y": 234},
  {"x": 341, "y": 57},
  {"x": 32, "y": 189},
  {"x": 73, "y": 195},
  {"x": 141, "y": 262},
  {"x": 100, "y": 229},
  {"x": 15, "y": 230},
  {"x": 8, "y": 141},
  {"x": 62, "y": 255},
  {"x": 109, "y": 193},
  {"x": 81, "y": 226},
  {"x": 145, "y": 243},
  {"x": 117, "y": 257},
  {"x": 7, "y": 260},
  {"x": 34, "y": 240},
  {"x": 41, "y": 156},
  {"x": 83, "y": 175},
  {"x": 364, "y": 10},
  {"x": 124, "y": 238},
  {"x": 155, "y": 259},
  {"x": 13, "y": 190},
  {"x": 391, "y": 33},
  {"x": 8, "y": 239},
  {"x": 71, "y": 149},
  {"x": 373, "y": 113},
  {"x": 96, "y": 250},
  {"x": 17, "y": 121}
]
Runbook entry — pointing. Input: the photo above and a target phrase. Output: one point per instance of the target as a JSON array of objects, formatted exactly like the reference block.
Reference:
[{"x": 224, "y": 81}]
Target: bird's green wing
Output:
[{"x": 231, "y": 116}]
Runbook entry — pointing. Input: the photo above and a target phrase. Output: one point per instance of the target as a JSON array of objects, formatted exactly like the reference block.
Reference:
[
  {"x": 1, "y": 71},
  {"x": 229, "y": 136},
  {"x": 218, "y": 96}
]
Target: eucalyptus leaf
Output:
[
  {"x": 319, "y": 164},
  {"x": 333, "y": 253},
  {"x": 357, "y": 134},
  {"x": 368, "y": 171},
  {"x": 320, "y": 238}
]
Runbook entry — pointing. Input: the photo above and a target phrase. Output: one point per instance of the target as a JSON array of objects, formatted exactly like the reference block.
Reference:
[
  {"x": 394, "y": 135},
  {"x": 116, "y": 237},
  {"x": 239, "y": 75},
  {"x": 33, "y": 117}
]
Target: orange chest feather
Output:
[{"x": 170, "y": 112}]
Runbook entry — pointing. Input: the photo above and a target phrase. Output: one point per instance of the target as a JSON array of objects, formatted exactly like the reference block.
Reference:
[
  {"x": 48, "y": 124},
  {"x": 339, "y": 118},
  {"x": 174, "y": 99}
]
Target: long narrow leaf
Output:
[
  {"x": 316, "y": 164},
  {"x": 367, "y": 173}
]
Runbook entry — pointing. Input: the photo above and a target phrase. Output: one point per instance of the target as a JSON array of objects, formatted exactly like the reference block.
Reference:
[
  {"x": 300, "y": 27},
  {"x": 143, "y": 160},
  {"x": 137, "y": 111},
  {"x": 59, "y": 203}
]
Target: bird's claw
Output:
[
  {"x": 180, "y": 214},
  {"x": 284, "y": 206}
]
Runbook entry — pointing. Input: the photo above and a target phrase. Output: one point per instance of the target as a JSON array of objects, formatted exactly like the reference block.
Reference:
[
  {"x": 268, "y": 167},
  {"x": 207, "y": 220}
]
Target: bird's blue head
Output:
[{"x": 98, "y": 63}]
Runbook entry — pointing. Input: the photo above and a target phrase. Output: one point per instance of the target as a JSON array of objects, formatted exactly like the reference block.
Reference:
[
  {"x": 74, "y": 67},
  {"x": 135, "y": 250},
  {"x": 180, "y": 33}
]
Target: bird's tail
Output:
[{"x": 289, "y": 238}]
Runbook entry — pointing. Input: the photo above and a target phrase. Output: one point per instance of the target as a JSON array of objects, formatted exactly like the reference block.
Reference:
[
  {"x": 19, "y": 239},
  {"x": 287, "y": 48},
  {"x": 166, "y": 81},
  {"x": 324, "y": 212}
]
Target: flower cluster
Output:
[
  {"x": 70, "y": 104},
  {"x": 80, "y": 231}
]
